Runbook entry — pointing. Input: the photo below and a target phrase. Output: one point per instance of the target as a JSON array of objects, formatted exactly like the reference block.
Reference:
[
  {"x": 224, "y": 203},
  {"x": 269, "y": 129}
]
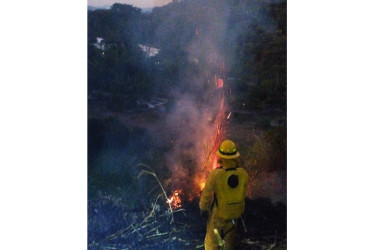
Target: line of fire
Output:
[
  {"x": 166, "y": 89},
  {"x": 210, "y": 159}
]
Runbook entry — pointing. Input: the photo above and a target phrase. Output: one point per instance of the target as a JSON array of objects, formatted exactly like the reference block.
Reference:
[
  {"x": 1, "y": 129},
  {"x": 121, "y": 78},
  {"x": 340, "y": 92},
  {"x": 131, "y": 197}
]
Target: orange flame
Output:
[
  {"x": 219, "y": 83},
  {"x": 215, "y": 161},
  {"x": 174, "y": 199},
  {"x": 202, "y": 185},
  {"x": 219, "y": 133},
  {"x": 211, "y": 161}
]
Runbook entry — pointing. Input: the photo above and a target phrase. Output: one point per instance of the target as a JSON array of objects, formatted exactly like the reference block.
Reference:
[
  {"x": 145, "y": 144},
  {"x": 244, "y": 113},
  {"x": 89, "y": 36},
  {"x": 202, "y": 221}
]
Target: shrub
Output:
[{"x": 269, "y": 151}]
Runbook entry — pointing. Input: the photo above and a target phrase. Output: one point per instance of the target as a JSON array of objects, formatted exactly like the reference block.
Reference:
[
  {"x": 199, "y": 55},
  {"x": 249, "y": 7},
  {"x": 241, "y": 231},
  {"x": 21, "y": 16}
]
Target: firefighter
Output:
[{"x": 223, "y": 197}]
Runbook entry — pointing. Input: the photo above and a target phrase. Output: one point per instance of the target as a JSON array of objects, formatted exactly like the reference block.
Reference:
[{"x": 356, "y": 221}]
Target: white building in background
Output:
[
  {"x": 100, "y": 43},
  {"x": 149, "y": 51}
]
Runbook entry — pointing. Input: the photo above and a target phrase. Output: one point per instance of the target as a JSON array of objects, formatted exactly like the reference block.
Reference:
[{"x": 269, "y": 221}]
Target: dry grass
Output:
[{"x": 152, "y": 173}]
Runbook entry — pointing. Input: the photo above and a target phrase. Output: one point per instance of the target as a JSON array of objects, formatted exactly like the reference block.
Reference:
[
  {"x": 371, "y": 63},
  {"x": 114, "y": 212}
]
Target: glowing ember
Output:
[
  {"x": 219, "y": 83},
  {"x": 174, "y": 199},
  {"x": 219, "y": 125},
  {"x": 215, "y": 160},
  {"x": 207, "y": 158},
  {"x": 202, "y": 185}
]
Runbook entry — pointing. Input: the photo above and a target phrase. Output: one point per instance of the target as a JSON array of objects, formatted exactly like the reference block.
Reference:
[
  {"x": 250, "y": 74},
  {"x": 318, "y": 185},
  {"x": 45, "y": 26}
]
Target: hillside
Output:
[{"x": 164, "y": 89}]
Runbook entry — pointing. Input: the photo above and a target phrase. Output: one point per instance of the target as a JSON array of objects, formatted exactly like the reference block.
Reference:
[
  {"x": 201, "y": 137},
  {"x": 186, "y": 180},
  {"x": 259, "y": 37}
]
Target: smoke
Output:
[
  {"x": 192, "y": 142},
  {"x": 208, "y": 47},
  {"x": 271, "y": 185},
  {"x": 160, "y": 2},
  {"x": 196, "y": 100}
]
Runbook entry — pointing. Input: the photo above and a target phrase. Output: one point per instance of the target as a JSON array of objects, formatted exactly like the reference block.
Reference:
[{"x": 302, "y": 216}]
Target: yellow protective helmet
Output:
[{"x": 228, "y": 150}]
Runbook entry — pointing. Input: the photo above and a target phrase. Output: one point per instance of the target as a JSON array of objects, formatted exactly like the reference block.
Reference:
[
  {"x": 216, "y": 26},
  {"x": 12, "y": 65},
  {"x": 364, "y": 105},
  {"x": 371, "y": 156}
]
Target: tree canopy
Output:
[{"x": 194, "y": 37}]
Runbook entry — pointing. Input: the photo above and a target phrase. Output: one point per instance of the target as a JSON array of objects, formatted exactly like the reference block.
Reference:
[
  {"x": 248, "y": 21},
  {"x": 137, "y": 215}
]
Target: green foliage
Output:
[
  {"x": 249, "y": 35},
  {"x": 269, "y": 151},
  {"x": 119, "y": 24},
  {"x": 118, "y": 69},
  {"x": 121, "y": 68},
  {"x": 262, "y": 53},
  {"x": 113, "y": 151}
]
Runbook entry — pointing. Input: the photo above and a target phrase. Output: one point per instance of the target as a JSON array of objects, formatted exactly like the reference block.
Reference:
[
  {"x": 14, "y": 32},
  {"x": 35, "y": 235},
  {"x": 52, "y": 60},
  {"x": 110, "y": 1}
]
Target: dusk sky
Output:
[{"x": 136, "y": 3}]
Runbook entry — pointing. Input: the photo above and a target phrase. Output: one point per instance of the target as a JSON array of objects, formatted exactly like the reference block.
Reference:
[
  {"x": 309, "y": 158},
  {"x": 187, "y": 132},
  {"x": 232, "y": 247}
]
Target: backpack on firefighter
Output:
[
  {"x": 230, "y": 184},
  {"x": 229, "y": 196}
]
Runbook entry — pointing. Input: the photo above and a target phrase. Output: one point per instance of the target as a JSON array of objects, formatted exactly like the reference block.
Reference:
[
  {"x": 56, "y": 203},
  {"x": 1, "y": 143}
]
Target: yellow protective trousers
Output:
[{"x": 226, "y": 229}]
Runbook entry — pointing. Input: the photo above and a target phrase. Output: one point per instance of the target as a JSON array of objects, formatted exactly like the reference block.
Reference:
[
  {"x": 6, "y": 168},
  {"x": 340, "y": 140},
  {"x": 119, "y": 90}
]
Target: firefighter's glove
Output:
[{"x": 203, "y": 213}]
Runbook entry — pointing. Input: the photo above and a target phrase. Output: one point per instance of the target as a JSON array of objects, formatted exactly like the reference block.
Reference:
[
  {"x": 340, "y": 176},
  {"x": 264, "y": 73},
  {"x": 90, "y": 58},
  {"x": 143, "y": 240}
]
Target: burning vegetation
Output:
[
  {"x": 175, "y": 199},
  {"x": 171, "y": 147},
  {"x": 204, "y": 154}
]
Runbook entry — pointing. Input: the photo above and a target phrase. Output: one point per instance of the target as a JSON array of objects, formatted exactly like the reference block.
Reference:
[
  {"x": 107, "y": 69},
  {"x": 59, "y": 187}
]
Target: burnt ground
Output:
[
  {"x": 126, "y": 212},
  {"x": 113, "y": 226}
]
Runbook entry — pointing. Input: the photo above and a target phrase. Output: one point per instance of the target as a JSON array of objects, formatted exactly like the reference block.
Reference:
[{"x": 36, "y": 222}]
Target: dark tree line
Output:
[{"x": 250, "y": 33}]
